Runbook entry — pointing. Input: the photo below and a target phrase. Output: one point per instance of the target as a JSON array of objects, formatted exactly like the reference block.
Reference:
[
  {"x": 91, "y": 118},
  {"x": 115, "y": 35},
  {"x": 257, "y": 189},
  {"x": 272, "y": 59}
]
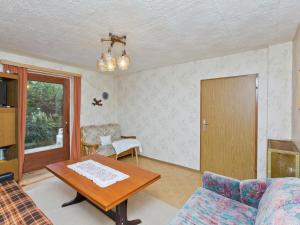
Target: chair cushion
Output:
[
  {"x": 91, "y": 134},
  {"x": 208, "y": 207},
  {"x": 282, "y": 193},
  {"x": 16, "y": 207},
  {"x": 106, "y": 150}
]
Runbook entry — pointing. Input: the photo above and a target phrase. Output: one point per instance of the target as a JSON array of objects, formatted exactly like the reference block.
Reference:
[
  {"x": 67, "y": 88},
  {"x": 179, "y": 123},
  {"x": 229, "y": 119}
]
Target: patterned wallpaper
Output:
[
  {"x": 280, "y": 94},
  {"x": 162, "y": 106},
  {"x": 296, "y": 91},
  {"x": 93, "y": 85}
]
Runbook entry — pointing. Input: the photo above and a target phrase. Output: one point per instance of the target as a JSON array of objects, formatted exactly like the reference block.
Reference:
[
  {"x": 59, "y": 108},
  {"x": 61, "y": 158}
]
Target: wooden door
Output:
[
  {"x": 47, "y": 121},
  {"x": 229, "y": 126}
]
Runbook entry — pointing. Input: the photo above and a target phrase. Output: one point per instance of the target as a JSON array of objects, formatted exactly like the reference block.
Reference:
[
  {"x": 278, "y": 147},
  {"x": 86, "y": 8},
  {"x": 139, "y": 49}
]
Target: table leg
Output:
[
  {"x": 121, "y": 215},
  {"x": 79, "y": 198}
]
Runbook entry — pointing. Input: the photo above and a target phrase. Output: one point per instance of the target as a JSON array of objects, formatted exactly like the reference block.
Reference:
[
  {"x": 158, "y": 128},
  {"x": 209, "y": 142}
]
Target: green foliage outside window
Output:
[{"x": 44, "y": 113}]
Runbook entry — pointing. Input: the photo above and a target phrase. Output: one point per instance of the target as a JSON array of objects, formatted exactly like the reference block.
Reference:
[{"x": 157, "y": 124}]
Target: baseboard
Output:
[{"x": 168, "y": 163}]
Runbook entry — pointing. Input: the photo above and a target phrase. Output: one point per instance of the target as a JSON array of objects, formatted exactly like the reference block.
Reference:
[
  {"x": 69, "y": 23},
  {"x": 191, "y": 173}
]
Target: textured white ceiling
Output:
[{"x": 160, "y": 32}]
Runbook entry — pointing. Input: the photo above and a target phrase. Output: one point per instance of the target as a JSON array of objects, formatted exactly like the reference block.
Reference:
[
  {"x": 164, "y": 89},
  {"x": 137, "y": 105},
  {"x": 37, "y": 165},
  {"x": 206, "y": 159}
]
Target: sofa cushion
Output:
[
  {"x": 106, "y": 150},
  {"x": 285, "y": 215},
  {"x": 208, "y": 207},
  {"x": 281, "y": 193},
  {"x": 91, "y": 134},
  {"x": 16, "y": 207},
  {"x": 105, "y": 140},
  {"x": 252, "y": 191}
]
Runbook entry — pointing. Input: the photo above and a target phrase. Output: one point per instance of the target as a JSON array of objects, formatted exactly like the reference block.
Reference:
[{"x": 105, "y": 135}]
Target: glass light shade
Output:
[
  {"x": 111, "y": 64},
  {"x": 123, "y": 62},
  {"x": 110, "y": 61},
  {"x": 101, "y": 65},
  {"x": 107, "y": 56}
]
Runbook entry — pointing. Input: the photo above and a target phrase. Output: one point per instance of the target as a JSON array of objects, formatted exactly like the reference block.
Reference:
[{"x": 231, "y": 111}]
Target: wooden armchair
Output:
[
  {"x": 90, "y": 140},
  {"x": 89, "y": 149}
]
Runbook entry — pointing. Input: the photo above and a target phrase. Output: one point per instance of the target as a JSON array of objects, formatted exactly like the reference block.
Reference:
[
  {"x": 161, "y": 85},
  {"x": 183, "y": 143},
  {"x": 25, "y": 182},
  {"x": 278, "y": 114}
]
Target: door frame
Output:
[
  {"x": 256, "y": 114},
  {"x": 47, "y": 156}
]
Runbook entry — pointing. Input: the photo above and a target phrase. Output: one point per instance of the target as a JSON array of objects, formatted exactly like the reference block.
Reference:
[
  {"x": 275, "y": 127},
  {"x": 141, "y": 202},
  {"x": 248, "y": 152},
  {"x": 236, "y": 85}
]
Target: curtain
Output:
[
  {"x": 22, "y": 107},
  {"x": 75, "y": 144}
]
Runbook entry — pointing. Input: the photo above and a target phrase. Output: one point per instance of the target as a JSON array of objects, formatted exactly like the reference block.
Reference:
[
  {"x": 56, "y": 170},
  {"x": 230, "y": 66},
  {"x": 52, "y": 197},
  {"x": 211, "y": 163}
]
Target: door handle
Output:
[{"x": 204, "y": 123}]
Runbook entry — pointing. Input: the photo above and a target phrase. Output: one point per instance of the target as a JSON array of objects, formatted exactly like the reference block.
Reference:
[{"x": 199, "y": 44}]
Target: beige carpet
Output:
[
  {"x": 175, "y": 187},
  {"x": 51, "y": 193}
]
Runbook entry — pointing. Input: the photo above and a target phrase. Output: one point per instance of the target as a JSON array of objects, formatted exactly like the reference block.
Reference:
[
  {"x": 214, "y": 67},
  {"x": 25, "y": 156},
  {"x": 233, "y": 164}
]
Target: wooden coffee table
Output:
[{"x": 105, "y": 199}]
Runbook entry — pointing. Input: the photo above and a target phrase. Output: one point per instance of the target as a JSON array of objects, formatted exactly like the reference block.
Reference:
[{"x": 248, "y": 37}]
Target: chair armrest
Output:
[
  {"x": 89, "y": 149},
  {"x": 126, "y": 137},
  {"x": 252, "y": 191},
  {"x": 90, "y": 145},
  {"x": 6, "y": 176},
  {"x": 226, "y": 186}
]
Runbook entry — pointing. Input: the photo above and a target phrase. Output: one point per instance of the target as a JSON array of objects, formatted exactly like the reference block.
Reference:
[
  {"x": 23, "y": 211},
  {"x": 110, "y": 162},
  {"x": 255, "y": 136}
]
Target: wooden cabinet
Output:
[
  {"x": 283, "y": 159},
  {"x": 10, "y": 166},
  {"x": 9, "y": 126}
]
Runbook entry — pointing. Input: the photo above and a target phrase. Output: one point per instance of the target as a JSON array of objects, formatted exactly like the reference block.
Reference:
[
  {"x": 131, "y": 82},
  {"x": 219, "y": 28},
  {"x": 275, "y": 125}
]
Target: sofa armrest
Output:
[
  {"x": 252, "y": 191},
  {"x": 226, "y": 186},
  {"x": 6, "y": 176},
  {"x": 126, "y": 137}
]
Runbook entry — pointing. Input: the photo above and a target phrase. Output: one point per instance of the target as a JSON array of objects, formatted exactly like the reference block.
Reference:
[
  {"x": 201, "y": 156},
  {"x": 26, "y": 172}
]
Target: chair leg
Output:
[
  {"x": 132, "y": 153},
  {"x": 116, "y": 156},
  {"x": 136, "y": 156}
]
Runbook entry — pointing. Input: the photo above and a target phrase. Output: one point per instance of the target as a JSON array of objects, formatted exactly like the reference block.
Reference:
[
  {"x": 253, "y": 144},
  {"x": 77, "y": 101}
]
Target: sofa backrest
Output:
[
  {"x": 226, "y": 186},
  {"x": 280, "y": 202},
  {"x": 91, "y": 134}
]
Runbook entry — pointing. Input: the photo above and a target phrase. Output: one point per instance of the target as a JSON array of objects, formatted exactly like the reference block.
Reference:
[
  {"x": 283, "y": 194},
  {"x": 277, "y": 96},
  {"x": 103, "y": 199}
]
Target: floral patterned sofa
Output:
[{"x": 224, "y": 200}]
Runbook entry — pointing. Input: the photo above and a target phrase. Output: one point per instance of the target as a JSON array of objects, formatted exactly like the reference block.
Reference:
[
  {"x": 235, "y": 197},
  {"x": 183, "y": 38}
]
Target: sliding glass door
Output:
[{"x": 47, "y": 121}]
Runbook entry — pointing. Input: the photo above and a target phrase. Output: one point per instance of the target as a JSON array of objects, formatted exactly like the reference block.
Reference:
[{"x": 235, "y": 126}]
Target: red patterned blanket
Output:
[{"x": 16, "y": 207}]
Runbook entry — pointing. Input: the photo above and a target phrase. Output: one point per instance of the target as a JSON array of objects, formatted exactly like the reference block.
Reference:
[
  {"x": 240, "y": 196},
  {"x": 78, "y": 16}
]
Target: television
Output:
[{"x": 3, "y": 93}]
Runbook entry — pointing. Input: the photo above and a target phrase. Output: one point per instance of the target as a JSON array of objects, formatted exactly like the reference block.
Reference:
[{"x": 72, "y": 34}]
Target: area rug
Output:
[{"x": 51, "y": 193}]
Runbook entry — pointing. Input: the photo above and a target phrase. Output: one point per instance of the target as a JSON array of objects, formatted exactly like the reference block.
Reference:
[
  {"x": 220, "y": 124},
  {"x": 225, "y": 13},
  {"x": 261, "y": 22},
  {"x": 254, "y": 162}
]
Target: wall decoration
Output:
[
  {"x": 105, "y": 95},
  {"x": 97, "y": 102}
]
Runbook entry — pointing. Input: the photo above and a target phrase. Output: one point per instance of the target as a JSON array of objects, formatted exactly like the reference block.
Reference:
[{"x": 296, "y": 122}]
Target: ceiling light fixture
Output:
[
  {"x": 107, "y": 62},
  {"x": 123, "y": 61}
]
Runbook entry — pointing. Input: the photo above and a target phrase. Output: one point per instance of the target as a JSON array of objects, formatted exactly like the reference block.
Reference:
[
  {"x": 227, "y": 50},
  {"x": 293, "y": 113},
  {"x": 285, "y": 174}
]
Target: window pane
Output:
[{"x": 44, "y": 118}]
